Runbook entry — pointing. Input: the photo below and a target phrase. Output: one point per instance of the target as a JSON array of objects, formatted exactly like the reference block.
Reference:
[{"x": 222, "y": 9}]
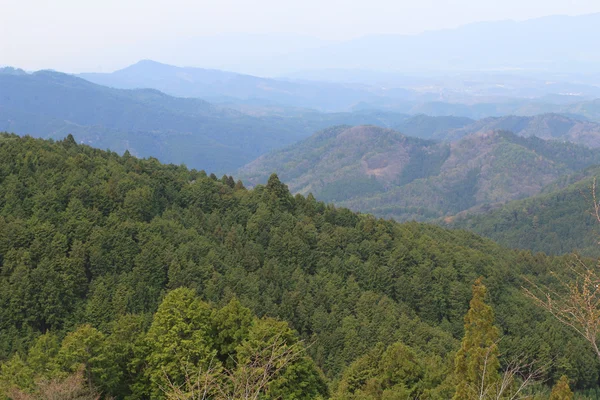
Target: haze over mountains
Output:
[
  {"x": 554, "y": 43},
  {"x": 149, "y": 123},
  {"x": 222, "y": 86},
  {"x": 546, "y": 46},
  {"x": 468, "y": 95},
  {"x": 218, "y": 138}
]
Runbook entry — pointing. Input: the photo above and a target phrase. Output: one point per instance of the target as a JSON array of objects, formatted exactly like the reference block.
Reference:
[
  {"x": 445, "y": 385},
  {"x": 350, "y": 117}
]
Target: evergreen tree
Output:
[
  {"x": 179, "y": 340},
  {"x": 561, "y": 390},
  {"x": 476, "y": 363}
]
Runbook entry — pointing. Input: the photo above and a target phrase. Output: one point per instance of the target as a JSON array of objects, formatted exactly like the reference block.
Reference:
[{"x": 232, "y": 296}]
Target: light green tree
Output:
[
  {"x": 179, "y": 340},
  {"x": 561, "y": 390},
  {"x": 476, "y": 363}
]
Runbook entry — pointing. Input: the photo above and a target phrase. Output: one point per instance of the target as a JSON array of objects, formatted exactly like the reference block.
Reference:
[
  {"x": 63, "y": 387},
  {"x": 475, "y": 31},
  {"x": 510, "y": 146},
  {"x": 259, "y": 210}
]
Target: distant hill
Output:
[
  {"x": 556, "y": 221},
  {"x": 580, "y": 109},
  {"x": 150, "y": 123},
  {"x": 545, "y": 126},
  {"x": 217, "y": 85},
  {"x": 381, "y": 171}
]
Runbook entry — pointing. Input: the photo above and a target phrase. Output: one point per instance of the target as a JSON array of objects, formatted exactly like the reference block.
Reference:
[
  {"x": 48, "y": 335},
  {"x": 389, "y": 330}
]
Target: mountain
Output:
[
  {"x": 558, "y": 220},
  {"x": 135, "y": 273},
  {"x": 386, "y": 173},
  {"x": 545, "y": 126},
  {"x": 216, "y": 85},
  {"x": 150, "y": 123}
]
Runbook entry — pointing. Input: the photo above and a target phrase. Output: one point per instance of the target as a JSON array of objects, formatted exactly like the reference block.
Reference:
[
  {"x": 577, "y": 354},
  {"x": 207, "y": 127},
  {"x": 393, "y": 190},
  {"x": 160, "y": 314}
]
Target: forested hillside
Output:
[
  {"x": 559, "y": 220},
  {"x": 96, "y": 251},
  {"x": 383, "y": 172}
]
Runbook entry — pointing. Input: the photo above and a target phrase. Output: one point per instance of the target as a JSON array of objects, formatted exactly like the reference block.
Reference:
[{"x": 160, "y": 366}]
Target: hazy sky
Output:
[{"x": 76, "y": 35}]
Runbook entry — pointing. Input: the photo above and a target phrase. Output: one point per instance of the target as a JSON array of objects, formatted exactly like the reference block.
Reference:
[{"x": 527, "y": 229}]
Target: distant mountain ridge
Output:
[
  {"x": 217, "y": 85},
  {"x": 490, "y": 96},
  {"x": 380, "y": 171},
  {"x": 545, "y": 126}
]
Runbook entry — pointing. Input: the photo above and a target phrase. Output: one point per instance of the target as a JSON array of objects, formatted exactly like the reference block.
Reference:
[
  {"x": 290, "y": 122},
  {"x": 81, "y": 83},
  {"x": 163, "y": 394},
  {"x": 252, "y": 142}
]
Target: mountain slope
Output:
[
  {"x": 557, "y": 221},
  {"x": 380, "y": 171}
]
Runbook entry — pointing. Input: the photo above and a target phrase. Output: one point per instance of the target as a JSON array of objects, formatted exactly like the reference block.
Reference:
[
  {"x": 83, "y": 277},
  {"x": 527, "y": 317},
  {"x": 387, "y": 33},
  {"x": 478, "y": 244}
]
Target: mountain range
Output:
[
  {"x": 386, "y": 173},
  {"x": 150, "y": 123},
  {"x": 222, "y": 86},
  {"x": 217, "y": 138},
  {"x": 468, "y": 95},
  {"x": 544, "y": 126}
]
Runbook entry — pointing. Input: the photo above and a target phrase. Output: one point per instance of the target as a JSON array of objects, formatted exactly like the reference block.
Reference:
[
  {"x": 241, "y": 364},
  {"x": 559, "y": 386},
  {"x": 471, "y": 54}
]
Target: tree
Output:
[
  {"x": 269, "y": 351},
  {"x": 477, "y": 368},
  {"x": 561, "y": 391},
  {"x": 179, "y": 340},
  {"x": 279, "y": 193},
  {"x": 71, "y": 387},
  {"x": 395, "y": 372},
  {"x": 83, "y": 348},
  {"x": 476, "y": 363},
  {"x": 231, "y": 326}
]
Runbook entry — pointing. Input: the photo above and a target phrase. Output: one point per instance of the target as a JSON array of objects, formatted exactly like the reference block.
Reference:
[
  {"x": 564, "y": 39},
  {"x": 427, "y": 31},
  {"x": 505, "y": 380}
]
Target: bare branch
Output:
[{"x": 246, "y": 381}]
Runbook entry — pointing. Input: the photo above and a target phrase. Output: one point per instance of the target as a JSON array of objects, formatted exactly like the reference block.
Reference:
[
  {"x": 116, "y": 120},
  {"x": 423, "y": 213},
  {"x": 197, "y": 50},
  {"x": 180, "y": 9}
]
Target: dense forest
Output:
[{"x": 135, "y": 273}]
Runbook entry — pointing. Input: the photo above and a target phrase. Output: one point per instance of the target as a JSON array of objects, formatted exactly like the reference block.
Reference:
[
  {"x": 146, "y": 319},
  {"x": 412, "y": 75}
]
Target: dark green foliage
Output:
[
  {"x": 82, "y": 264},
  {"x": 557, "y": 221}
]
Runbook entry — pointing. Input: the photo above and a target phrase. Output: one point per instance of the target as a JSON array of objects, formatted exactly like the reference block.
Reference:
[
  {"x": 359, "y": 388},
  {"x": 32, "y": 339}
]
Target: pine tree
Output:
[
  {"x": 561, "y": 390},
  {"x": 239, "y": 185},
  {"x": 279, "y": 192},
  {"x": 476, "y": 363}
]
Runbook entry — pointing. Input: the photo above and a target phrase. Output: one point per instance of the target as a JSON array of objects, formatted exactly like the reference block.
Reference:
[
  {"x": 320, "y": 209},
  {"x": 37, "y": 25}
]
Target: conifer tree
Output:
[
  {"x": 476, "y": 363},
  {"x": 561, "y": 390}
]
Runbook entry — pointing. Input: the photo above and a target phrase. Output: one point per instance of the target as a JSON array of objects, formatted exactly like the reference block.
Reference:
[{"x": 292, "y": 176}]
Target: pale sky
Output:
[{"x": 85, "y": 35}]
